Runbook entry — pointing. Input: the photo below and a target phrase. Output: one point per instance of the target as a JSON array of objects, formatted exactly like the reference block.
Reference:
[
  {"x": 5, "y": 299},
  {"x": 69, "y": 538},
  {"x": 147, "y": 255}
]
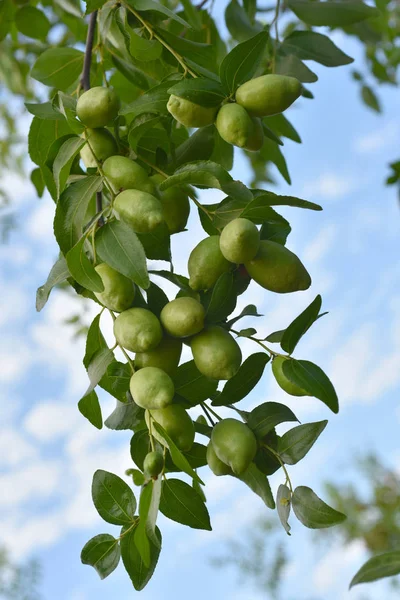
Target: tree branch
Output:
[{"x": 85, "y": 79}]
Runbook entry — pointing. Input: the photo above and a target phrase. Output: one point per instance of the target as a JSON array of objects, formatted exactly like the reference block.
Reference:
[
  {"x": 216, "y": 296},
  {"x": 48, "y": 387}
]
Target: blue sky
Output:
[{"x": 48, "y": 452}]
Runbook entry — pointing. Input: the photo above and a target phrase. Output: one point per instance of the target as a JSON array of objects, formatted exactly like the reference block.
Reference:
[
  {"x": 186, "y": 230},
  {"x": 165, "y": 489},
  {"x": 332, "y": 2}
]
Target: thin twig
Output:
[{"x": 85, "y": 79}]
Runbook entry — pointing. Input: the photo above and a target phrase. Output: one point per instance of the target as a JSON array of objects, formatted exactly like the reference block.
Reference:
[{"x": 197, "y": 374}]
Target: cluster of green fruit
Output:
[
  {"x": 157, "y": 342},
  {"x": 239, "y": 122}
]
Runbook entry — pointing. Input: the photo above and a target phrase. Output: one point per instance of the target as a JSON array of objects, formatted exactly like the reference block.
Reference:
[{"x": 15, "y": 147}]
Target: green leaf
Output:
[
  {"x": 7, "y": 10},
  {"x": 157, "y": 243},
  {"x": 266, "y": 416},
  {"x": 181, "y": 503},
  {"x": 140, "y": 446},
  {"x": 97, "y": 367},
  {"x": 144, "y": 5},
  {"x": 377, "y": 567},
  {"x": 312, "y": 511},
  {"x": 275, "y": 230},
  {"x": 126, "y": 415},
  {"x": 240, "y": 25},
  {"x": 58, "y": 67},
  {"x": 257, "y": 210},
  {"x": 153, "y": 101},
  {"x": 192, "y": 385},
  {"x": 94, "y": 341},
  {"x": 283, "y": 499},
  {"x": 205, "y": 173},
  {"x": 249, "y": 311},
  {"x": 71, "y": 211},
  {"x": 370, "y": 98},
  {"x": 89, "y": 407},
  {"x": 42, "y": 134},
  {"x": 131, "y": 73},
  {"x": 192, "y": 14},
  {"x": 204, "y": 92},
  {"x": 32, "y": 22},
  {"x": 275, "y": 337},
  {"x": 295, "y": 443},
  {"x": 199, "y": 146},
  {"x": 242, "y": 62},
  {"x": 142, "y": 48},
  {"x": 156, "y": 299},
  {"x": 44, "y": 110},
  {"x": 63, "y": 161},
  {"x": 178, "y": 280},
  {"x": 81, "y": 269},
  {"x": 334, "y": 13},
  {"x": 198, "y": 54},
  {"x": 249, "y": 332},
  {"x": 102, "y": 553},
  {"x": 119, "y": 247},
  {"x": 140, "y": 125},
  {"x": 313, "y": 380},
  {"x": 141, "y": 540},
  {"x": 282, "y": 127},
  {"x": 117, "y": 379},
  {"x": 178, "y": 458},
  {"x": 266, "y": 198},
  {"x": 220, "y": 301},
  {"x": 241, "y": 384},
  {"x": 291, "y": 65},
  {"x": 139, "y": 574},
  {"x": 259, "y": 484},
  {"x": 309, "y": 45},
  {"x": 58, "y": 274},
  {"x": 113, "y": 498},
  {"x": 297, "y": 328}
]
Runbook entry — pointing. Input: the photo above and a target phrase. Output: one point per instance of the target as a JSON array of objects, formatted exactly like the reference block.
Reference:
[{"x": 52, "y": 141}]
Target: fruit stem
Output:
[
  {"x": 155, "y": 35},
  {"x": 260, "y": 343},
  {"x": 216, "y": 415},
  {"x": 288, "y": 481},
  {"x": 275, "y": 22},
  {"x": 129, "y": 528},
  {"x": 203, "y": 406},
  {"x": 85, "y": 79}
]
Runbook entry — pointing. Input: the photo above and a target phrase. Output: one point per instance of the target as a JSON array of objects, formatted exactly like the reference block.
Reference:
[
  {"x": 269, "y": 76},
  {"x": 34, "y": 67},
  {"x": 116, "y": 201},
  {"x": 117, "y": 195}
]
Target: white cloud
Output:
[
  {"x": 329, "y": 185},
  {"x": 318, "y": 248},
  {"x": 384, "y": 137},
  {"x": 40, "y": 224},
  {"x": 48, "y": 421},
  {"x": 34, "y": 480},
  {"x": 14, "y": 448},
  {"x": 337, "y": 566}
]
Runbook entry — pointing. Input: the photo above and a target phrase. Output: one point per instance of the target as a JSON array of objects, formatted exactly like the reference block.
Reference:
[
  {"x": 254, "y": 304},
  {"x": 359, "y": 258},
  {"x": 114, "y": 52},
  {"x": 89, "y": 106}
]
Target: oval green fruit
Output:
[
  {"x": 216, "y": 354},
  {"x": 216, "y": 465},
  {"x": 119, "y": 291},
  {"x": 239, "y": 241},
  {"x": 234, "y": 444},
  {"x": 140, "y": 210},
  {"x": 153, "y": 464},
  {"x": 166, "y": 356},
  {"x": 283, "y": 381},
  {"x": 152, "y": 387},
  {"x": 190, "y": 114},
  {"x": 255, "y": 141},
  {"x": 103, "y": 145},
  {"x": 268, "y": 95},
  {"x": 277, "y": 269},
  {"x": 176, "y": 206},
  {"x": 124, "y": 174},
  {"x": 183, "y": 317},
  {"x": 97, "y": 107},
  {"x": 206, "y": 264},
  {"x": 176, "y": 422},
  {"x": 137, "y": 330},
  {"x": 234, "y": 125}
]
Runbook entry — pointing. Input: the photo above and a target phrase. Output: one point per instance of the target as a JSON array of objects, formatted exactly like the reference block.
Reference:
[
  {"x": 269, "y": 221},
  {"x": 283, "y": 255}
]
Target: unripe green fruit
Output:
[
  {"x": 206, "y": 264},
  {"x": 216, "y": 465},
  {"x": 140, "y": 210},
  {"x": 176, "y": 422},
  {"x": 151, "y": 387},
  {"x": 125, "y": 174},
  {"x": 190, "y": 114},
  {"x": 103, "y": 144},
  {"x": 119, "y": 291},
  {"x": 138, "y": 330},
  {"x": 268, "y": 94},
  {"x": 216, "y": 354},
  {"x": 166, "y": 356},
  {"x": 277, "y": 269},
  {"x": 153, "y": 463},
  {"x": 97, "y": 107},
  {"x": 239, "y": 241},
  {"x": 234, "y": 444},
  {"x": 183, "y": 317},
  {"x": 234, "y": 125},
  {"x": 255, "y": 141},
  {"x": 283, "y": 381},
  {"x": 176, "y": 206}
]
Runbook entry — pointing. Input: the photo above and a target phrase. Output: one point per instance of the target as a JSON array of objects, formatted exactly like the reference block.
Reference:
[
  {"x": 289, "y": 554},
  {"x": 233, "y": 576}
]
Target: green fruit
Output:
[
  {"x": 166, "y": 356},
  {"x": 119, "y": 291},
  {"x": 277, "y": 269},
  {"x": 176, "y": 422},
  {"x": 138, "y": 330},
  {"x": 234, "y": 125},
  {"x": 239, "y": 241},
  {"x": 268, "y": 95},
  {"x": 151, "y": 387},
  {"x": 97, "y": 107},
  {"x": 124, "y": 174},
  {"x": 255, "y": 141},
  {"x": 140, "y": 210},
  {"x": 103, "y": 144},
  {"x": 283, "y": 381},
  {"x": 216, "y": 465},
  {"x": 234, "y": 444},
  {"x": 176, "y": 206},
  {"x": 206, "y": 264},
  {"x": 190, "y": 114},
  {"x": 215, "y": 353},
  {"x": 183, "y": 317},
  {"x": 153, "y": 464}
]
